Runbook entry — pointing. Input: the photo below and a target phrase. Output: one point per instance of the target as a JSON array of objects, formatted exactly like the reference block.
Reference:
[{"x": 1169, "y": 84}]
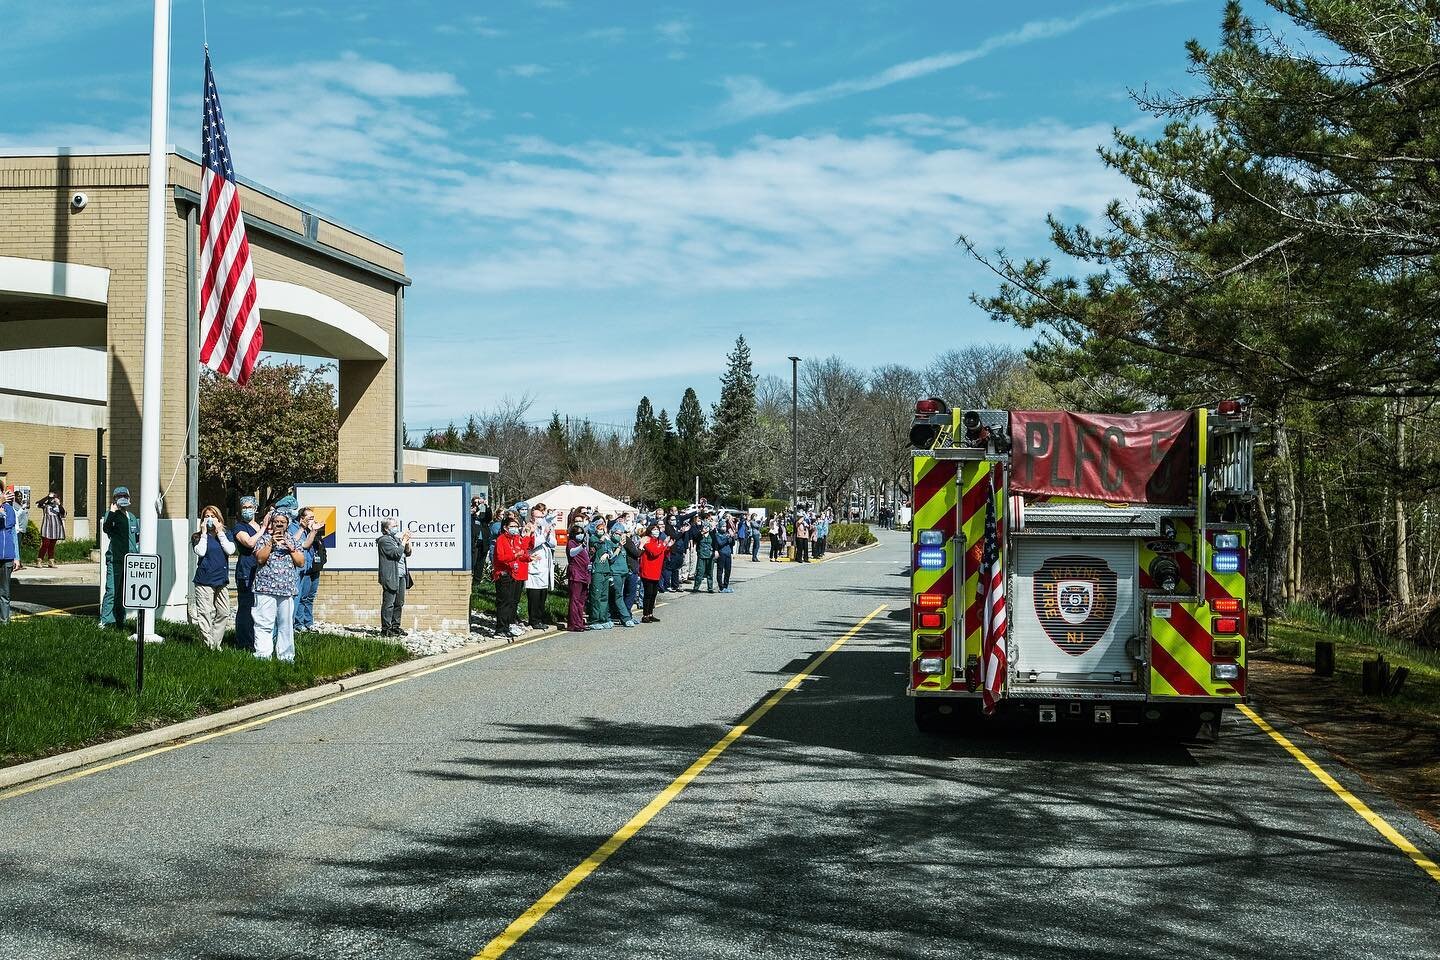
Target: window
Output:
[
  {"x": 57, "y": 475},
  {"x": 80, "y": 507}
]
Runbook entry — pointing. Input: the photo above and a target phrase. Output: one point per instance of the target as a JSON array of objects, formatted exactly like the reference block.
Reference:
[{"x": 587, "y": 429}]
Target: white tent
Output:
[{"x": 570, "y": 495}]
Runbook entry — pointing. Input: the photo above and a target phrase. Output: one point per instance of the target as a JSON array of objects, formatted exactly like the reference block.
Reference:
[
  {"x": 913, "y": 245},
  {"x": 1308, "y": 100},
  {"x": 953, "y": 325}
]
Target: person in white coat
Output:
[{"x": 542, "y": 567}]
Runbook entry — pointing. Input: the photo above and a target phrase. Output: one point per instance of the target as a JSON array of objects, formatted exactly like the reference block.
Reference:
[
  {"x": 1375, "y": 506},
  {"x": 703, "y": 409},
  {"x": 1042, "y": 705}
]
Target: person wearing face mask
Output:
[
  {"x": 724, "y": 548},
  {"x": 245, "y": 532},
  {"x": 277, "y": 580},
  {"x": 512, "y": 568},
  {"x": 578, "y": 552},
  {"x": 393, "y": 547},
  {"x": 213, "y": 549},
  {"x": 631, "y": 580},
  {"x": 705, "y": 558},
  {"x": 8, "y": 553},
  {"x": 542, "y": 566},
  {"x": 607, "y": 583},
  {"x": 652, "y": 567},
  {"x": 123, "y": 529}
]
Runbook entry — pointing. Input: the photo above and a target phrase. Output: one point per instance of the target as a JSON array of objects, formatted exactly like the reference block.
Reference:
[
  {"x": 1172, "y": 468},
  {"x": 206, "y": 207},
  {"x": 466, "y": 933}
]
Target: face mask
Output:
[
  {"x": 512, "y": 530},
  {"x": 655, "y": 532},
  {"x": 579, "y": 538},
  {"x": 247, "y": 514}
]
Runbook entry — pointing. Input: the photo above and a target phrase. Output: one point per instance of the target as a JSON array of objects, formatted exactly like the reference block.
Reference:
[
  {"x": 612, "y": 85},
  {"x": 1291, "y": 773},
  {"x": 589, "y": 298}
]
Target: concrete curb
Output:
[{"x": 84, "y": 757}]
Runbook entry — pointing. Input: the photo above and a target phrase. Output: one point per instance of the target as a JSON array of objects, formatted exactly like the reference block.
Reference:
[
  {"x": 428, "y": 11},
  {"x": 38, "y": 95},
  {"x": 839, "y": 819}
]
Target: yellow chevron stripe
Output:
[{"x": 926, "y": 516}]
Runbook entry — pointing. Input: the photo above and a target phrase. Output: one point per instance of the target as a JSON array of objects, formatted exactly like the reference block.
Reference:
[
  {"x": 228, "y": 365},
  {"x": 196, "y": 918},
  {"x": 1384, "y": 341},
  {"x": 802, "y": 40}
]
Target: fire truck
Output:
[{"x": 1077, "y": 568}]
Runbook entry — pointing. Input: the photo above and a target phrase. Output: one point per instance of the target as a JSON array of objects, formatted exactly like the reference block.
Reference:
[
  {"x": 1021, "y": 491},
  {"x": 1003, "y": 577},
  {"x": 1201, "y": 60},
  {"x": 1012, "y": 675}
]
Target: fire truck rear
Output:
[{"x": 1080, "y": 568}]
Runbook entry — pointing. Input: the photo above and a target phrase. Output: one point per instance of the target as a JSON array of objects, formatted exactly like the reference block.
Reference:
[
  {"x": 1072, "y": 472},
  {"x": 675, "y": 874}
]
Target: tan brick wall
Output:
[
  {"x": 439, "y": 601},
  {"x": 27, "y": 463},
  {"x": 36, "y": 222}
]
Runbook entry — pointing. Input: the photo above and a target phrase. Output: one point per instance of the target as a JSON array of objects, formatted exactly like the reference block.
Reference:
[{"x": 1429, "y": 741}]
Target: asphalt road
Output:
[{"x": 420, "y": 819}]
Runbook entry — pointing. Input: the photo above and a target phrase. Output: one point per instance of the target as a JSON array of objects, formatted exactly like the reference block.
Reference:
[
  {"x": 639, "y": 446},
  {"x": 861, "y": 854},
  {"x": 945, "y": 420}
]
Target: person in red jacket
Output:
[
  {"x": 652, "y": 566},
  {"x": 512, "y": 567}
]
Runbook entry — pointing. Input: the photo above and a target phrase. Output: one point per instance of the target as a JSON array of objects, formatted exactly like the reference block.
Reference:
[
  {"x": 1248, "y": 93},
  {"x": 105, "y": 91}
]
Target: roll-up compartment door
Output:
[{"x": 1075, "y": 608}]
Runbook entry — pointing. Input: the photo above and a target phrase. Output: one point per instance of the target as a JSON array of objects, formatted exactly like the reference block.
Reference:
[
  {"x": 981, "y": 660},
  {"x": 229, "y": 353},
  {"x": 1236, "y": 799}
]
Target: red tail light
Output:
[
  {"x": 930, "y": 601},
  {"x": 1224, "y": 626},
  {"x": 932, "y": 621},
  {"x": 1225, "y": 605}
]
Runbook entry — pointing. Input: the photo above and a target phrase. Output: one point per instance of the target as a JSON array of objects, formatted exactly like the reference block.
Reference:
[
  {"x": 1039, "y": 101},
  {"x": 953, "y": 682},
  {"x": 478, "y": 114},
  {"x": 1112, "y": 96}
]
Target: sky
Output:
[{"x": 595, "y": 199}]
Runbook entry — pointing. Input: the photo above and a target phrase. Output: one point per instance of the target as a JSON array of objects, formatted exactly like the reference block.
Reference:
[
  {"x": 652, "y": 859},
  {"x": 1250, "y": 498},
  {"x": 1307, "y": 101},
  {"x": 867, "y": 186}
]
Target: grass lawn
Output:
[
  {"x": 1293, "y": 640},
  {"x": 65, "y": 683},
  {"x": 482, "y": 600}
]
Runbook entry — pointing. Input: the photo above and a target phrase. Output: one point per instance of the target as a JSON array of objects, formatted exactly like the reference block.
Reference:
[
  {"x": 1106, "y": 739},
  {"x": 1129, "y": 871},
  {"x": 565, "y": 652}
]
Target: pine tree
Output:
[
  {"x": 644, "y": 422},
  {"x": 691, "y": 441},
  {"x": 557, "y": 444},
  {"x": 736, "y": 436},
  {"x": 665, "y": 454}
]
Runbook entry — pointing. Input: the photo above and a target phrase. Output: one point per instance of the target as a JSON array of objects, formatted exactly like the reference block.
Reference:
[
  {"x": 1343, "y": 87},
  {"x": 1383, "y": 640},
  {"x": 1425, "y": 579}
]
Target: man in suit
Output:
[{"x": 393, "y": 547}]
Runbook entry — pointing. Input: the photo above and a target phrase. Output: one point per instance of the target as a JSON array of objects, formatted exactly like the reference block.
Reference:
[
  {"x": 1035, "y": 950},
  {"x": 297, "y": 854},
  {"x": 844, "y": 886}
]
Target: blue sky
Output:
[{"x": 594, "y": 199}]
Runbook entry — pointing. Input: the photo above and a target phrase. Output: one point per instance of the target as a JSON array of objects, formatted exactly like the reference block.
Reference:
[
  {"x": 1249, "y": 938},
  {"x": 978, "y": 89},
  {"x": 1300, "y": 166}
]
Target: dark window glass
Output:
[
  {"x": 80, "y": 503},
  {"x": 57, "y": 475}
]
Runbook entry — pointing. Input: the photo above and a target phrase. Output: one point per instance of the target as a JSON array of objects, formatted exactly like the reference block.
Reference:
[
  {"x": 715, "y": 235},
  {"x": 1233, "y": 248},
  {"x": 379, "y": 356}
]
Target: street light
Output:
[{"x": 794, "y": 432}]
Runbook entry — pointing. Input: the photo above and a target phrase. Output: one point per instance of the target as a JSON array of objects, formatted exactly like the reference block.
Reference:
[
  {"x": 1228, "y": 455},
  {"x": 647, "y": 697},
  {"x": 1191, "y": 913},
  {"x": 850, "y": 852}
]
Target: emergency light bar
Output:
[
  {"x": 1225, "y": 605},
  {"x": 930, "y": 601},
  {"x": 931, "y": 558},
  {"x": 1226, "y": 561}
]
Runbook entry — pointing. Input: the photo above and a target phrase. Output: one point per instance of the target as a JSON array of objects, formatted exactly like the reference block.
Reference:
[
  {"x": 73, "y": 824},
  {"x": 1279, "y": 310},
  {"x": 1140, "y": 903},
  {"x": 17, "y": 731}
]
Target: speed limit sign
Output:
[{"x": 142, "y": 581}]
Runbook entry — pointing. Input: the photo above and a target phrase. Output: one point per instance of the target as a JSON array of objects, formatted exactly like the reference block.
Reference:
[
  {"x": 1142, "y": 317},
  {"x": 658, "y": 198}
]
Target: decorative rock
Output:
[{"x": 421, "y": 643}]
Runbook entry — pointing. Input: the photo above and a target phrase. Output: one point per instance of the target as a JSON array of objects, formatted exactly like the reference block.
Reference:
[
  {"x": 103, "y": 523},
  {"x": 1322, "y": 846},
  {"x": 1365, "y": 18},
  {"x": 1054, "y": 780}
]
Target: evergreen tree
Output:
[
  {"x": 557, "y": 444},
  {"x": 665, "y": 453},
  {"x": 644, "y": 422},
  {"x": 690, "y": 446},
  {"x": 470, "y": 438},
  {"x": 736, "y": 436}
]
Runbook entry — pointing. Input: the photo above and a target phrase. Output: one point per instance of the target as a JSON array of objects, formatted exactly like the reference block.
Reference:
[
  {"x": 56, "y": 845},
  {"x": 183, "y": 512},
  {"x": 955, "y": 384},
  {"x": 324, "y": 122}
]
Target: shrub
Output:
[
  {"x": 848, "y": 536},
  {"x": 66, "y": 551},
  {"x": 769, "y": 504}
]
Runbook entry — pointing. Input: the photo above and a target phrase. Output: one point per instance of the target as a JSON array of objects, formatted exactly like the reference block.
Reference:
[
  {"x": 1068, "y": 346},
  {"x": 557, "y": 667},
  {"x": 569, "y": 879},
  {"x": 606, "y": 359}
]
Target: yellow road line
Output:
[
  {"x": 55, "y": 612},
  {"x": 1381, "y": 825},
  {"x": 552, "y": 897},
  {"x": 851, "y": 553},
  {"x": 257, "y": 722}
]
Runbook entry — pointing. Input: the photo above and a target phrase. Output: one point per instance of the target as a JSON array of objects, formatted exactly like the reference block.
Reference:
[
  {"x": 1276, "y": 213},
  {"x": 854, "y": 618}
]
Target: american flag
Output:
[
  {"x": 992, "y": 586},
  {"x": 230, "y": 336}
]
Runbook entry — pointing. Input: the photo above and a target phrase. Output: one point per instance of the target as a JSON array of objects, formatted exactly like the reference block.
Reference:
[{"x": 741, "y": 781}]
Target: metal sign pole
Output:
[{"x": 139, "y": 652}]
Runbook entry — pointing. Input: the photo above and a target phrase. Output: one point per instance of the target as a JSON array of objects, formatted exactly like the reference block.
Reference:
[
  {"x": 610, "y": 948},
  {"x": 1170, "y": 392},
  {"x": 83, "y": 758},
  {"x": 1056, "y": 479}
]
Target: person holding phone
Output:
[
  {"x": 123, "y": 529},
  {"x": 52, "y": 527},
  {"x": 393, "y": 546},
  {"x": 277, "y": 581},
  {"x": 8, "y": 553},
  {"x": 213, "y": 548}
]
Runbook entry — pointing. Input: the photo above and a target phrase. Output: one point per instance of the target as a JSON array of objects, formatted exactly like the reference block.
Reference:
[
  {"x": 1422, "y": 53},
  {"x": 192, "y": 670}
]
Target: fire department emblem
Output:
[{"x": 1075, "y": 601}]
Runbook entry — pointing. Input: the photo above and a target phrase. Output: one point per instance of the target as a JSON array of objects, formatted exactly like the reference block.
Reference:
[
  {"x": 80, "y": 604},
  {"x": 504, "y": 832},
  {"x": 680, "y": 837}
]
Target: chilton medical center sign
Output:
[{"x": 436, "y": 515}]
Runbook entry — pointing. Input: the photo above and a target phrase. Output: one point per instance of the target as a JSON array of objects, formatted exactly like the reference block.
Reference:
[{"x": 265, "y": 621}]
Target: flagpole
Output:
[{"x": 150, "y": 397}]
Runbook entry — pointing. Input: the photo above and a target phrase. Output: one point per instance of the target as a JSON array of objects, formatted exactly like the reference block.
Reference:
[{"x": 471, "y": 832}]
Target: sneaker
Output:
[
  {"x": 628, "y": 623},
  {"x": 400, "y": 633},
  {"x": 516, "y": 630}
]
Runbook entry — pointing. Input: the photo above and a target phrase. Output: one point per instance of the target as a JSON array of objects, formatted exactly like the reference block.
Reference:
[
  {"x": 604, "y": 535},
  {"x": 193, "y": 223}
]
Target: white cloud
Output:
[
  {"x": 751, "y": 97},
  {"x": 473, "y": 25},
  {"x": 524, "y": 70},
  {"x": 687, "y": 217}
]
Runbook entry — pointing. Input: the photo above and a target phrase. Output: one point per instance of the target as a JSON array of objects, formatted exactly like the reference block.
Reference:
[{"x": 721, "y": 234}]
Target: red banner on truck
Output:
[{"x": 1135, "y": 458}]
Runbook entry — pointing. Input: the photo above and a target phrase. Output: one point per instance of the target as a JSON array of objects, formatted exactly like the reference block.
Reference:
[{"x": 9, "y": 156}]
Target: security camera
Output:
[{"x": 78, "y": 201}]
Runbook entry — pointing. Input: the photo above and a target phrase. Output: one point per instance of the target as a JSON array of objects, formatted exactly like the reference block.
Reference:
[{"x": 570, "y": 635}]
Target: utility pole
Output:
[{"x": 794, "y": 432}]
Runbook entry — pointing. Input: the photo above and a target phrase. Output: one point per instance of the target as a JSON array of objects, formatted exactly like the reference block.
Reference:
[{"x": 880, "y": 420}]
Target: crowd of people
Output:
[{"x": 617, "y": 563}]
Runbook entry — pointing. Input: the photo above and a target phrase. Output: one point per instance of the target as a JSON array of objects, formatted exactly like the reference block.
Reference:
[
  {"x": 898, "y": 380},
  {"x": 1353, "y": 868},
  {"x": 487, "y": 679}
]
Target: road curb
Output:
[{"x": 64, "y": 762}]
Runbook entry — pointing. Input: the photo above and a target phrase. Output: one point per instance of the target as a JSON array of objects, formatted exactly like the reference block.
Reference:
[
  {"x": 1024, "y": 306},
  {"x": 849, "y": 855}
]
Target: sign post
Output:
[{"x": 140, "y": 591}]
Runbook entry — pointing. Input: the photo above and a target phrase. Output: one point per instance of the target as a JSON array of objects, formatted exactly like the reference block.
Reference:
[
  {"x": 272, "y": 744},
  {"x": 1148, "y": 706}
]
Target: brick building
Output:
[{"x": 72, "y": 312}]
